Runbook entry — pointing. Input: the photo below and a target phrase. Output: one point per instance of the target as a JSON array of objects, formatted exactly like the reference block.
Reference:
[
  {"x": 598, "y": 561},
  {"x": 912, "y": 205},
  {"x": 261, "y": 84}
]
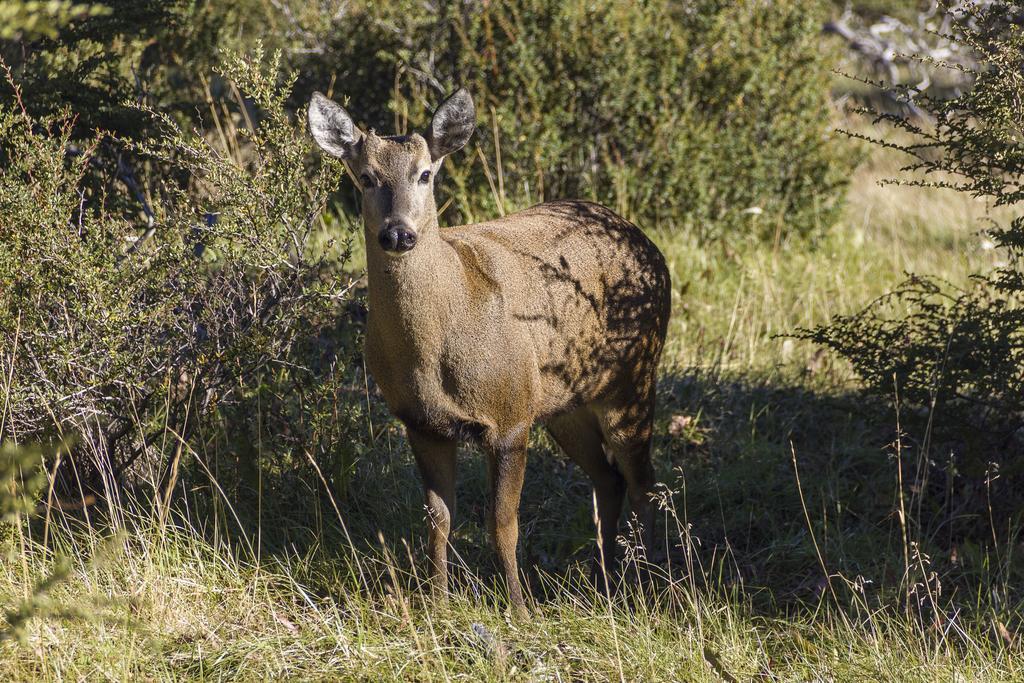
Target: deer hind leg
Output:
[
  {"x": 436, "y": 461},
  {"x": 507, "y": 467},
  {"x": 579, "y": 435},
  {"x": 627, "y": 429}
]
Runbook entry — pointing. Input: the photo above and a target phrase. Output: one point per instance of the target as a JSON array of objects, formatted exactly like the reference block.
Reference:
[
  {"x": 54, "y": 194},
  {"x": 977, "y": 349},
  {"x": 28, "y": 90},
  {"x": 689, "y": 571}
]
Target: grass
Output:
[
  {"x": 732, "y": 301},
  {"x": 783, "y": 554}
]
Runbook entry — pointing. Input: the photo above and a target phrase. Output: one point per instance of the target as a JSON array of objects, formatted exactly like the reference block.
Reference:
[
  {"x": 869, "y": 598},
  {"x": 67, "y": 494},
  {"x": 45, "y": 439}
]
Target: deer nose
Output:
[{"x": 396, "y": 237}]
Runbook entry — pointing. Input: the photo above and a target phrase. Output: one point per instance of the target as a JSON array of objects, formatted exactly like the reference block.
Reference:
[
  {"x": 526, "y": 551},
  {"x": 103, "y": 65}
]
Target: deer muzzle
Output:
[{"x": 396, "y": 237}]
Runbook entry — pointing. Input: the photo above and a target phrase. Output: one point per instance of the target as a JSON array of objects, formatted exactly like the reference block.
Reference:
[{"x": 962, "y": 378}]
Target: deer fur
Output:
[{"x": 556, "y": 314}]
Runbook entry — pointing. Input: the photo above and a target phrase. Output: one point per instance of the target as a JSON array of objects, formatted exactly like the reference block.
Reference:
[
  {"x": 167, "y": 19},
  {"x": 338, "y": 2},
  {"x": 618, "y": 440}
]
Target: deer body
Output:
[{"x": 555, "y": 314}]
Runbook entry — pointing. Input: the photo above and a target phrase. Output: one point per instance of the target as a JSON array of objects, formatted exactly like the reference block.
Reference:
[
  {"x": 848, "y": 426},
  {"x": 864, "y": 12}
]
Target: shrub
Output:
[
  {"x": 27, "y": 19},
  {"x": 137, "y": 338},
  {"x": 99, "y": 61},
  {"x": 959, "y": 351},
  {"x": 677, "y": 116}
]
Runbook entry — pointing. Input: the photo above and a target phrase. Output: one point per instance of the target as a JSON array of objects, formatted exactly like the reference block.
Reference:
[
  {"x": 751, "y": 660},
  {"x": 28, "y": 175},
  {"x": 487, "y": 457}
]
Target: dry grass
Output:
[{"x": 732, "y": 301}]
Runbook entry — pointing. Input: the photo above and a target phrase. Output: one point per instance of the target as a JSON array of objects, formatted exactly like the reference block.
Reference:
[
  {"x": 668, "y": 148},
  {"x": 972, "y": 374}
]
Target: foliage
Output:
[
  {"x": 135, "y": 337},
  {"x": 100, "y": 66},
  {"x": 21, "y": 478},
  {"x": 959, "y": 351},
  {"x": 28, "y": 19},
  {"x": 915, "y": 47},
  {"x": 711, "y": 117},
  {"x": 874, "y": 9}
]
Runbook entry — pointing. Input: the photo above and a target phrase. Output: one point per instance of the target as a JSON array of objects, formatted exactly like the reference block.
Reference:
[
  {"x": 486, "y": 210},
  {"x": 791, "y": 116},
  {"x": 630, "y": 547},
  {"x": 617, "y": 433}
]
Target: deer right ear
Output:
[
  {"x": 332, "y": 128},
  {"x": 452, "y": 125}
]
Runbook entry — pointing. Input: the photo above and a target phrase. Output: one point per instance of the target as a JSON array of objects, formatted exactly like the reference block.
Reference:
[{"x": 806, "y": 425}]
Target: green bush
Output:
[
  {"x": 140, "y": 337},
  {"x": 97, "y": 63},
  {"x": 28, "y": 18},
  {"x": 959, "y": 351},
  {"x": 711, "y": 116}
]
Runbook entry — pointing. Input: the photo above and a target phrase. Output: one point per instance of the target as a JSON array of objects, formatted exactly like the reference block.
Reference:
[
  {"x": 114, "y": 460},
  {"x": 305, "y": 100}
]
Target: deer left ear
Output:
[
  {"x": 452, "y": 125},
  {"x": 332, "y": 128}
]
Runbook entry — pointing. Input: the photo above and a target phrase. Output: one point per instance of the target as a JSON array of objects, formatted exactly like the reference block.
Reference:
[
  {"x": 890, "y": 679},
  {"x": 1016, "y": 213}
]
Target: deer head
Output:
[{"x": 396, "y": 173}]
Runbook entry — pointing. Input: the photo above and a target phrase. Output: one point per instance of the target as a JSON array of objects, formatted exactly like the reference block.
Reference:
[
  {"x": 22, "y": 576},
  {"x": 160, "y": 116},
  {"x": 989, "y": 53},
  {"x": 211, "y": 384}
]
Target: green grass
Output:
[{"x": 760, "y": 578}]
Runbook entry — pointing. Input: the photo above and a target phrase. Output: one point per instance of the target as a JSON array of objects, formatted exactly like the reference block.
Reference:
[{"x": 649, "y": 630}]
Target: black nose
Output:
[{"x": 396, "y": 238}]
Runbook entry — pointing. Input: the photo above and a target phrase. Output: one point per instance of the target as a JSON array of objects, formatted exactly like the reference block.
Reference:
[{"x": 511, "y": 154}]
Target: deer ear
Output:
[
  {"x": 332, "y": 128},
  {"x": 452, "y": 125}
]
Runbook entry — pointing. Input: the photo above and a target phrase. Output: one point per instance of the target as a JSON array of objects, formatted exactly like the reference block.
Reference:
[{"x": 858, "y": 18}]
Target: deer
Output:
[{"x": 554, "y": 315}]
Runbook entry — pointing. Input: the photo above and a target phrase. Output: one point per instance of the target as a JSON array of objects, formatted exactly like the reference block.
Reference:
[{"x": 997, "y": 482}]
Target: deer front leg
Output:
[
  {"x": 507, "y": 467},
  {"x": 436, "y": 461}
]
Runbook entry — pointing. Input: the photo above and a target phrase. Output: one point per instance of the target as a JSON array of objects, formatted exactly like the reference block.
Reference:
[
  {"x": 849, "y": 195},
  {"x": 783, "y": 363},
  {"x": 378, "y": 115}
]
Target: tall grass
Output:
[{"x": 174, "y": 600}]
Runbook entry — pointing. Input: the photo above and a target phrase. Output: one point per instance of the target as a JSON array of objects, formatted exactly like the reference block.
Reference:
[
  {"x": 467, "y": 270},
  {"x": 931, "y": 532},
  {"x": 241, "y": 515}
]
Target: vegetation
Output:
[
  {"x": 219, "y": 493},
  {"x": 33, "y": 19},
  {"x": 122, "y": 338},
  {"x": 958, "y": 350},
  {"x": 633, "y": 104}
]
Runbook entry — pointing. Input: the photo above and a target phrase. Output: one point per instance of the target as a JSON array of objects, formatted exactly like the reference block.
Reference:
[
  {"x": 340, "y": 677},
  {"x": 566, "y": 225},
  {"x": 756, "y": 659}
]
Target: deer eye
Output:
[
  {"x": 365, "y": 180},
  {"x": 424, "y": 177}
]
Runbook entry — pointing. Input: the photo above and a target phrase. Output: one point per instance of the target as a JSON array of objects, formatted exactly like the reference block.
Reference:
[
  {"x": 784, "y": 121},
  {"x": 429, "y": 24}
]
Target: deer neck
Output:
[{"x": 415, "y": 299}]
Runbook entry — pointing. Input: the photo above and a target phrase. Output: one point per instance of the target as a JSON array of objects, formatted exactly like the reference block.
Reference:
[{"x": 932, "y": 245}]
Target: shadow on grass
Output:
[{"x": 783, "y": 496}]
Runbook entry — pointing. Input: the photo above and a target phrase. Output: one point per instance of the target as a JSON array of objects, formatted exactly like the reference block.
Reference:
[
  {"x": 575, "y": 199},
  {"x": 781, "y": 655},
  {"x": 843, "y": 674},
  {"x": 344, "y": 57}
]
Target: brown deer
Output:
[{"x": 555, "y": 314}]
